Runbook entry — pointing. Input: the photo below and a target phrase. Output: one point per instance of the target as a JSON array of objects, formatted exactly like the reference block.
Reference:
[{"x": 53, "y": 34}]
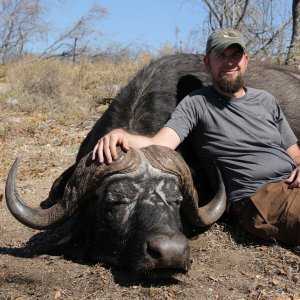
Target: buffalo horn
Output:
[
  {"x": 170, "y": 161},
  {"x": 87, "y": 177}
]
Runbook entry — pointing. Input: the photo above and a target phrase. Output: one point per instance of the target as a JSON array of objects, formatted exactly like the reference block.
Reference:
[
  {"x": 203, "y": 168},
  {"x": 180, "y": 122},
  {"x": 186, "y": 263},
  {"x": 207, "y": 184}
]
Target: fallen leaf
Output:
[
  {"x": 296, "y": 278},
  {"x": 213, "y": 278},
  {"x": 282, "y": 272},
  {"x": 57, "y": 294},
  {"x": 275, "y": 281},
  {"x": 261, "y": 286},
  {"x": 263, "y": 248}
]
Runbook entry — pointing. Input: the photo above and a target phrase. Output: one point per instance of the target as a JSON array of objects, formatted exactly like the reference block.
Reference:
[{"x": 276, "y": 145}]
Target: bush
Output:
[{"x": 65, "y": 89}]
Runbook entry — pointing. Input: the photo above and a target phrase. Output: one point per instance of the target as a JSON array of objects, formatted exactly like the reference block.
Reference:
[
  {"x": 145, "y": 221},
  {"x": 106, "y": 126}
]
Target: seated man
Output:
[{"x": 245, "y": 131}]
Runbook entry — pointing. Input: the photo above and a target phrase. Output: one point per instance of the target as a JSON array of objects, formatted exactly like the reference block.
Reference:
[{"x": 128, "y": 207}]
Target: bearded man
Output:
[{"x": 245, "y": 131}]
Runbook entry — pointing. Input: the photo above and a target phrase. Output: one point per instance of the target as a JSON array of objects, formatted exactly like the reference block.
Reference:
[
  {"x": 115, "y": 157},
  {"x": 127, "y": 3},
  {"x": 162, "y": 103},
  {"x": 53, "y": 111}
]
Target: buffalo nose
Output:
[{"x": 169, "y": 251}]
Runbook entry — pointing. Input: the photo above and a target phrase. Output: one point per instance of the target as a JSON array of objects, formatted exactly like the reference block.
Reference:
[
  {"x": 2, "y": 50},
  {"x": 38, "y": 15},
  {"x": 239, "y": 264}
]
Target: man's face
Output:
[{"x": 227, "y": 68}]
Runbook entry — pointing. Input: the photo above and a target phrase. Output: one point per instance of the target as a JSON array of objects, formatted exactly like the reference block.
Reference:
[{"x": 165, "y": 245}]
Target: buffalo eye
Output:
[
  {"x": 176, "y": 202},
  {"x": 113, "y": 204}
]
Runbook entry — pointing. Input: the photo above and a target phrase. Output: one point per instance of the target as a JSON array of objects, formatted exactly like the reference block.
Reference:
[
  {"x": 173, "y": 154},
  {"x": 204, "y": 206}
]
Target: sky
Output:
[{"x": 144, "y": 22}]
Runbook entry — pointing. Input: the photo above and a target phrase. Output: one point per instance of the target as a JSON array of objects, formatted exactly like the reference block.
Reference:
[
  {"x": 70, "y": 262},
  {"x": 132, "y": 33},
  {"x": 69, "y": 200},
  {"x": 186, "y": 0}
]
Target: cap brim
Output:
[{"x": 222, "y": 46}]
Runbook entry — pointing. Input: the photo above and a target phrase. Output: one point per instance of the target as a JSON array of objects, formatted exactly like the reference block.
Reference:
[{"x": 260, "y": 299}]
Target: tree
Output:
[
  {"x": 23, "y": 22},
  {"x": 226, "y": 13},
  {"x": 293, "y": 56},
  {"x": 75, "y": 40},
  {"x": 20, "y": 22},
  {"x": 265, "y": 24}
]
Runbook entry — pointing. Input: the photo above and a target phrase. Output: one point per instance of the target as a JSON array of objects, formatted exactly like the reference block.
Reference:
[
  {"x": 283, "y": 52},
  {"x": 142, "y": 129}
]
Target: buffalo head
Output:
[{"x": 129, "y": 213}]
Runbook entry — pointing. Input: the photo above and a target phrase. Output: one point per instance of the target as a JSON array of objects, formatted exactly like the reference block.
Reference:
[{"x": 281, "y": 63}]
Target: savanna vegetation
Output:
[
  {"x": 61, "y": 89},
  {"x": 49, "y": 101}
]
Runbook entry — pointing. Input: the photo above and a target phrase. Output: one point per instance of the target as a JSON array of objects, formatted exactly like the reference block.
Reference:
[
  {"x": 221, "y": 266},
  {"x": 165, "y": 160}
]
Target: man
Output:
[{"x": 245, "y": 131}]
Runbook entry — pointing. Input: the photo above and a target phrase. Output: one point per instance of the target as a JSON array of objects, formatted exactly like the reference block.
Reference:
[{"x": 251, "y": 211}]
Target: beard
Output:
[{"x": 228, "y": 84}]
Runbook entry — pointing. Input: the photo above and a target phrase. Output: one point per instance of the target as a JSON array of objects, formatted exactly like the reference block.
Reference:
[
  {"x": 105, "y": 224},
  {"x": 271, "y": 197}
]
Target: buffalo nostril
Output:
[
  {"x": 168, "y": 250},
  {"x": 154, "y": 250}
]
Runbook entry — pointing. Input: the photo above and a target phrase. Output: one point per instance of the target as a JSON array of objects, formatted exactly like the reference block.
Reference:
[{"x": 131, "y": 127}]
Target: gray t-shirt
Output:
[{"x": 246, "y": 136}]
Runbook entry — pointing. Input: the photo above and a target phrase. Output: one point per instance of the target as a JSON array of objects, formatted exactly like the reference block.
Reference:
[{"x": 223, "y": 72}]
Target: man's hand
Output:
[
  {"x": 106, "y": 148},
  {"x": 294, "y": 180}
]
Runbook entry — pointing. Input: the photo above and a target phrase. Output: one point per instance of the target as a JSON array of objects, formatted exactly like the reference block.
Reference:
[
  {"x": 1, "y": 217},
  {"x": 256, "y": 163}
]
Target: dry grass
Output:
[
  {"x": 44, "y": 108},
  {"x": 59, "y": 89}
]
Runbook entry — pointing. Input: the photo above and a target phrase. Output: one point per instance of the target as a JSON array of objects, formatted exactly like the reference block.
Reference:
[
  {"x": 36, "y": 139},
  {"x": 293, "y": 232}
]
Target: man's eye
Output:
[{"x": 237, "y": 56}]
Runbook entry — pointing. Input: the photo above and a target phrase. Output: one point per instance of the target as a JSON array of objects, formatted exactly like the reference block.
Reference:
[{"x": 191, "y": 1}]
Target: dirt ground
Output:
[{"x": 227, "y": 262}]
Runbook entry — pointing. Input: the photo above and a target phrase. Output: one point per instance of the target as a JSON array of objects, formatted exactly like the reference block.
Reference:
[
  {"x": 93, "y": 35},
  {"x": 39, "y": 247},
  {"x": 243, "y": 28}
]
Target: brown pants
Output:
[{"x": 272, "y": 213}]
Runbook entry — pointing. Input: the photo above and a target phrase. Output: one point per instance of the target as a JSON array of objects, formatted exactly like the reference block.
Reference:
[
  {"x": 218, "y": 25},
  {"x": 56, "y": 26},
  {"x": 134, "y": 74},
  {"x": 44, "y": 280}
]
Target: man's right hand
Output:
[{"x": 106, "y": 148}]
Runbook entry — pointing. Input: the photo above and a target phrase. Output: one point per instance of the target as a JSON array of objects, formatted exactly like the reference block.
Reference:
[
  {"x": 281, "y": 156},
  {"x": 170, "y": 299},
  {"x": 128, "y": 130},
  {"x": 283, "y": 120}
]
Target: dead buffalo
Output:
[{"x": 131, "y": 213}]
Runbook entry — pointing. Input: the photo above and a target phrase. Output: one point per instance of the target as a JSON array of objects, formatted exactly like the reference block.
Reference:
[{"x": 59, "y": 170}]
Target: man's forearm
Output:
[
  {"x": 164, "y": 137},
  {"x": 297, "y": 160},
  {"x": 138, "y": 141}
]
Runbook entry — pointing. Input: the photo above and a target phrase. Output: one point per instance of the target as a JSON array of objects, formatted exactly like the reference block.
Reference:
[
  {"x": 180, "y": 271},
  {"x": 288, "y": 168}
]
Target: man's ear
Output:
[
  {"x": 247, "y": 59},
  {"x": 206, "y": 62}
]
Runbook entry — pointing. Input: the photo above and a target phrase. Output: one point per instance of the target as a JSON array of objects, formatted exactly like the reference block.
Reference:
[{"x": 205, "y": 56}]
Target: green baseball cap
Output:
[{"x": 222, "y": 39}]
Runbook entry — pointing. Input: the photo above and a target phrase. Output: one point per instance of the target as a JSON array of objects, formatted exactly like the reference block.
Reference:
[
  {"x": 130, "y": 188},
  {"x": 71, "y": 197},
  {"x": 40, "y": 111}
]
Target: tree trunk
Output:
[{"x": 293, "y": 56}]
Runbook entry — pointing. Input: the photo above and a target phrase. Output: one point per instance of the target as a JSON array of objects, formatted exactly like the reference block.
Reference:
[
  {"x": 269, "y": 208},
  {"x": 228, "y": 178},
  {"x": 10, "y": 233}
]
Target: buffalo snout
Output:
[{"x": 169, "y": 253}]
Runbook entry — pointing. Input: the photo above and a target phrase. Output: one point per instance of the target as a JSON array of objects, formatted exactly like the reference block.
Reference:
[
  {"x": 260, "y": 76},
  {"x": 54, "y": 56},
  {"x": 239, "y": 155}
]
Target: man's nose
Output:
[{"x": 229, "y": 60}]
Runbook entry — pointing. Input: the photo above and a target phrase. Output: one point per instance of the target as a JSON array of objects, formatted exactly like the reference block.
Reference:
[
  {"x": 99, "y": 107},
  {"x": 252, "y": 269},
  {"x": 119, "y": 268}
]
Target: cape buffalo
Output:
[{"x": 131, "y": 213}]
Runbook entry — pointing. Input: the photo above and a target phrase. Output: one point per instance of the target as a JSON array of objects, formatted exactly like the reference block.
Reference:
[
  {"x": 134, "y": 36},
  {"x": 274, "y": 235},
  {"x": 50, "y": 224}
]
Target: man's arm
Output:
[
  {"x": 294, "y": 179},
  {"x": 105, "y": 149}
]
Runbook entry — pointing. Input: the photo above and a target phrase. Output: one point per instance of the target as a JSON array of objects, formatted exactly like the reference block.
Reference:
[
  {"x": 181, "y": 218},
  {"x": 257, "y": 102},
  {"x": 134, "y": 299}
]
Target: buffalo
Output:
[{"x": 136, "y": 212}]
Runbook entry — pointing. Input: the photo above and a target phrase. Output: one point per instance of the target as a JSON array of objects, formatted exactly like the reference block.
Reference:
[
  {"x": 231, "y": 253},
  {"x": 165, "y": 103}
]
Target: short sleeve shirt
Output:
[{"x": 246, "y": 136}]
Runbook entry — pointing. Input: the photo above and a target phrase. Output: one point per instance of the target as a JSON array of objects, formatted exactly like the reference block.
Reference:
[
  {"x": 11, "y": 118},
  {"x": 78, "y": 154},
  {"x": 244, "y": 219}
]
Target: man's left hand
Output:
[{"x": 294, "y": 180}]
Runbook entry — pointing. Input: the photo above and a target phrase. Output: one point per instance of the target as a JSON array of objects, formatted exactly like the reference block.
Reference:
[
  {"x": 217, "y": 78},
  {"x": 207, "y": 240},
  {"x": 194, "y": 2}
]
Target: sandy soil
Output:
[{"x": 227, "y": 262}]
